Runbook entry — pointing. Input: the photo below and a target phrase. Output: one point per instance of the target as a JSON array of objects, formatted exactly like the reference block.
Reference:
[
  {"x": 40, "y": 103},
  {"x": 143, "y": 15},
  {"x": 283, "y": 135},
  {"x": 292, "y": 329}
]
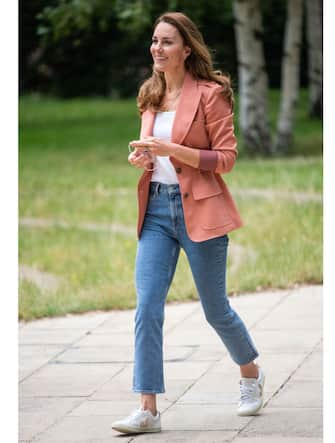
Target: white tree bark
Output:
[
  {"x": 290, "y": 75},
  {"x": 253, "y": 80},
  {"x": 315, "y": 69}
]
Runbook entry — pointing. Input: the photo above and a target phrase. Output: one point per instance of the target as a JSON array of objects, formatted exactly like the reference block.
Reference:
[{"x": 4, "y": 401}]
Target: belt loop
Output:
[{"x": 157, "y": 188}]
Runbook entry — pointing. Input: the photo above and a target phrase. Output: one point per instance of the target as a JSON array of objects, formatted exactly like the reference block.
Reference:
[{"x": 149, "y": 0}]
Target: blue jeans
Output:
[{"x": 163, "y": 234}]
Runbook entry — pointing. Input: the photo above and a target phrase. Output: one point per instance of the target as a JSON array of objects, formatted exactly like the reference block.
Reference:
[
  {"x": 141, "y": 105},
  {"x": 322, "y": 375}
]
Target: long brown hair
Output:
[{"x": 198, "y": 63}]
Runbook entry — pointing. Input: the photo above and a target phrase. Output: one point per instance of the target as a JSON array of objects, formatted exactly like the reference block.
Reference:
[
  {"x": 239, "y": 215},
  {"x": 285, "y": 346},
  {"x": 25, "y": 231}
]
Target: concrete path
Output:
[{"x": 76, "y": 374}]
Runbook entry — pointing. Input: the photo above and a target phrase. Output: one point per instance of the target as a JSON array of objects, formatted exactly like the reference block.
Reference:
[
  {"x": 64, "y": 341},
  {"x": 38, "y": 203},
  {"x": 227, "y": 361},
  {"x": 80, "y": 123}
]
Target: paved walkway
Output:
[{"x": 76, "y": 373}]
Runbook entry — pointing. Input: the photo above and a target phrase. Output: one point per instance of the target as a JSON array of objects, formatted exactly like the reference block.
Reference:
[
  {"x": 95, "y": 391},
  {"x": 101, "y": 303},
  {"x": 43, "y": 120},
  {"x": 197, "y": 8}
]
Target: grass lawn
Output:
[{"x": 78, "y": 208}]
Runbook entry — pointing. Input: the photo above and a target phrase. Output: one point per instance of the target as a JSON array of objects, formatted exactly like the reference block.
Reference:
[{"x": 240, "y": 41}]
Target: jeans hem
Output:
[
  {"x": 149, "y": 391},
  {"x": 251, "y": 359}
]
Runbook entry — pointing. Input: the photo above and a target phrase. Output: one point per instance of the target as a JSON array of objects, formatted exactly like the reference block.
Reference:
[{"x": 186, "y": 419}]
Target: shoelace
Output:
[
  {"x": 136, "y": 415},
  {"x": 248, "y": 391}
]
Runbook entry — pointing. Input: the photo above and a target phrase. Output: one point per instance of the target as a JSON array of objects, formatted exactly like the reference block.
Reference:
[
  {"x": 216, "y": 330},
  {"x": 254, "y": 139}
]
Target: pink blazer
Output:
[{"x": 203, "y": 120}]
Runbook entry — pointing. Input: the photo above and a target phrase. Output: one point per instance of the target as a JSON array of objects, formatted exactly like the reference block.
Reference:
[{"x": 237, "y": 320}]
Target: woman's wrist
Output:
[
  {"x": 190, "y": 156},
  {"x": 175, "y": 149}
]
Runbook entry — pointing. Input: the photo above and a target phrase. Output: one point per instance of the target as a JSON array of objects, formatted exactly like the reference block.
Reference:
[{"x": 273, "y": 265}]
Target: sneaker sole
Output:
[
  {"x": 129, "y": 430},
  {"x": 252, "y": 412}
]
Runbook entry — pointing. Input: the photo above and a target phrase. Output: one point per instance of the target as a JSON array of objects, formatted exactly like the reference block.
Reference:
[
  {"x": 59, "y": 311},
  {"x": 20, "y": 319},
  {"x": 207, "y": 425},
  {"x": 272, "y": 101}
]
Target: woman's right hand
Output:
[{"x": 141, "y": 159}]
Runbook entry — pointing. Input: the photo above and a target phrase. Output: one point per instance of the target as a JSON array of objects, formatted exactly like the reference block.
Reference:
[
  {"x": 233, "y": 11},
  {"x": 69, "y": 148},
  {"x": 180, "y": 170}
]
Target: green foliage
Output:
[
  {"x": 134, "y": 16},
  {"x": 70, "y": 16},
  {"x": 101, "y": 47}
]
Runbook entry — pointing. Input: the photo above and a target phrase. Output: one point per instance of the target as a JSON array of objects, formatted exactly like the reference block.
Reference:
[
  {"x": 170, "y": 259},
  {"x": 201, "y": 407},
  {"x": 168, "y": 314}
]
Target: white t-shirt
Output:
[{"x": 164, "y": 171}]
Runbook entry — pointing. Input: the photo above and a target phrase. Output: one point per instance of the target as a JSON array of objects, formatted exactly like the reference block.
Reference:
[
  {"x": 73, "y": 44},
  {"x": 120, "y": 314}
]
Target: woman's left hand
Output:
[{"x": 155, "y": 145}]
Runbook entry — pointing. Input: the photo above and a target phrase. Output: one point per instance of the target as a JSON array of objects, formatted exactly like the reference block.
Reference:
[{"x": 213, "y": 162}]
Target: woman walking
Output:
[{"x": 187, "y": 140}]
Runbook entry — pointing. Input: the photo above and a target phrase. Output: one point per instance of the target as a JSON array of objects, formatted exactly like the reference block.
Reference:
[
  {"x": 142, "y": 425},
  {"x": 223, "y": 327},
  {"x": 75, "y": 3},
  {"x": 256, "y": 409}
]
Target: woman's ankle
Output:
[
  {"x": 149, "y": 402},
  {"x": 250, "y": 370},
  {"x": 152, "y": 409}
]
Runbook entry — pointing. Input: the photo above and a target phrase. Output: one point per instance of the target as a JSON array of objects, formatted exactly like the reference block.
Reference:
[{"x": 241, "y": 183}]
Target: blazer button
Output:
[
  {"x": 186, "y": 195},
  {"x": 178, "y": 170}
]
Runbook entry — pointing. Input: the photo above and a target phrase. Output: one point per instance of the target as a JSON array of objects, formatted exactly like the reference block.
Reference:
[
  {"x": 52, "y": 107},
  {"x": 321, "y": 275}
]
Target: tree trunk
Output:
[
  {"x": 253, "y": 81},
  {"x": 315, "y": 70},
  {"x": 290, "y": 75}
]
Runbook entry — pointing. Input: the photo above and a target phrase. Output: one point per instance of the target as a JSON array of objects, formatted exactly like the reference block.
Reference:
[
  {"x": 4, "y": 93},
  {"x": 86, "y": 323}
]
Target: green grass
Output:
[{"x": 73, "y": 168}]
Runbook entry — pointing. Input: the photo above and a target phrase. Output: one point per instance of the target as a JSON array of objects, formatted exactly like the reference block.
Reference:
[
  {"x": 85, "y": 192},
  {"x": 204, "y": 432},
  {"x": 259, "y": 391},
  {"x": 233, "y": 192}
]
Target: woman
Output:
[{"x": 187, "y": 140}]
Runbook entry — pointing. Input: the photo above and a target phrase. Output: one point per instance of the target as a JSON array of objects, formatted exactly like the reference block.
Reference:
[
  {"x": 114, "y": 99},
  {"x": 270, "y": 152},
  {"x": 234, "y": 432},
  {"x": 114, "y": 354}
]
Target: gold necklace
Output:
[
  {"x": 174, "y": 96},
  {"x": 169, "y": 102}
]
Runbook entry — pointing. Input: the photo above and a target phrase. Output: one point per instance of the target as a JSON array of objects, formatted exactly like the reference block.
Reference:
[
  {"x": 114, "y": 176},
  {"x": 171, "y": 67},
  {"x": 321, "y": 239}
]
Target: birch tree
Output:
[
  {"x": 253, "y": 80},
  {"x": 315, "y": 70},
  {"x": 290, "y": 75}
]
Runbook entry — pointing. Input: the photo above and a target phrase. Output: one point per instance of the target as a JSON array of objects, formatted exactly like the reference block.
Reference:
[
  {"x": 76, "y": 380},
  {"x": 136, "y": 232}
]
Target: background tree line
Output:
[{"x": 74, "y": 48}]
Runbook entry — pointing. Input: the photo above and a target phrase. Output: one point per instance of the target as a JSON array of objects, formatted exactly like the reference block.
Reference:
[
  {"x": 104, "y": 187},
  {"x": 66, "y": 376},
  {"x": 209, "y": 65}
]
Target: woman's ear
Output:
[{"x": 188, "y": 51}]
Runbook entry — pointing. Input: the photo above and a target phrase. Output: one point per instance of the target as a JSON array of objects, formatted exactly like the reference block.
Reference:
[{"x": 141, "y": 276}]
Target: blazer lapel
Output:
[
  {"x": 185, "y": 112},
  {"x": 186, "y": 109}
]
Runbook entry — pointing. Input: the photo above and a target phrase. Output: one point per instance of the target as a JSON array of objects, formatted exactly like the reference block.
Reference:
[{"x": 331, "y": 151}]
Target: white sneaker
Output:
[
  {"x": 251, "y": 394},
  {"x": 139, "y": 421}
]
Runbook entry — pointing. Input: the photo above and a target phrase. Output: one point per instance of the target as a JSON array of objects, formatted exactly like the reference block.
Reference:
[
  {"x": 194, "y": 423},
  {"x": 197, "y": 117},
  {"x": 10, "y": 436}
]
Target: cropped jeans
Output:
[{"x": 163, "y": 234}]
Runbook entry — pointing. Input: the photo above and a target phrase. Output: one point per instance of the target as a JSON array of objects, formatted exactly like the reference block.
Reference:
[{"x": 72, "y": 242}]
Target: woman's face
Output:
[{"x": 167, "y": 48}]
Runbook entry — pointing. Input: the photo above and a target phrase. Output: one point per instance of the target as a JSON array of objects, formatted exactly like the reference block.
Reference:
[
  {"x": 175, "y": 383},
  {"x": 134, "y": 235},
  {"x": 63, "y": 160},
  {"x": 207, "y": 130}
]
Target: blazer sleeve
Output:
[{"x": 220, "y": 127}]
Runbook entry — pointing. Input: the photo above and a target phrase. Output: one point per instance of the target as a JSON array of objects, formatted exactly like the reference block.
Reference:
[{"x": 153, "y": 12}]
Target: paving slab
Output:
[
  {"x": 84, "y": 322},
  {"x": 31, "y": 358},
  {"x": 104, "y": 407},
  {"x": 203, "y": 417},
  {"x": 201, "y": 334},
  {"x": 299, "y": 394},
  {"x": 268, "y": 439},
  {"x": 67, "y": 380},
  {"x": 312, "y": 369},
  {"x": 81, "y": 429},
  {"x": 76, "y": 374},
  {"x": 47, "y": 337},
  {"x": 118, "y": 354},
  {"x": 96, "y": 354},
  {"x": 285, "y": 340},
  {"x": 37, "y": 414},
  {"x": 286, "y": 422},
  {"x": 185, "y": 370},
  {"x": 210, "y": 352},
  {"x": 288, "y": 315},
  {"x": 118, "y": 390},
  {"x": 112, "y": 338},
  {"x": 189, "y": 436}
]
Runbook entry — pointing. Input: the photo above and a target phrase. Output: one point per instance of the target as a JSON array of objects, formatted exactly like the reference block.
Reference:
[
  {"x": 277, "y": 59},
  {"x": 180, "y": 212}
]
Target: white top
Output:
[{"x": 164, "y": 171}]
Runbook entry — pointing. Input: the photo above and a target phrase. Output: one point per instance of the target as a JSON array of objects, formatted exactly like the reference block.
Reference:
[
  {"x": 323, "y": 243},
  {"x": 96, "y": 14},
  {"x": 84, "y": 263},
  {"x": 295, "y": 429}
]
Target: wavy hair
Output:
[{"x": 198, "y": 63}]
